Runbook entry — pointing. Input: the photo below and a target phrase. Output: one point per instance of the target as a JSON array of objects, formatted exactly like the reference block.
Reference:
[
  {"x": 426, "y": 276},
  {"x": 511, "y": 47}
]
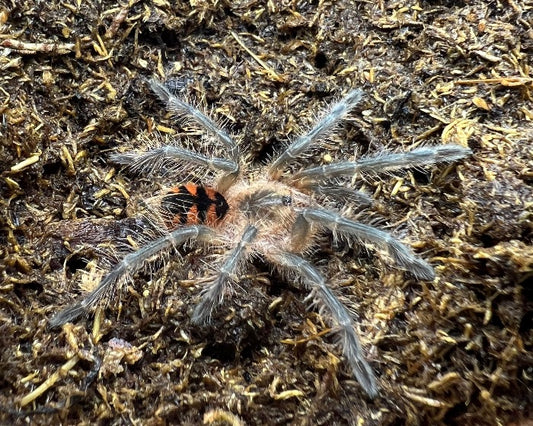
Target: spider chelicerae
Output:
[{"x": 272, "y": 211}]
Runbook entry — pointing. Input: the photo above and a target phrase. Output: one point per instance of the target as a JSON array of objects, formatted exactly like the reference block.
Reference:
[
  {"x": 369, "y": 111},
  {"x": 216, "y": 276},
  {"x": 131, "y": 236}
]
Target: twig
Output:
[
  {"x": 32, "y": 48},
  {"x": 267, "y": 68}
]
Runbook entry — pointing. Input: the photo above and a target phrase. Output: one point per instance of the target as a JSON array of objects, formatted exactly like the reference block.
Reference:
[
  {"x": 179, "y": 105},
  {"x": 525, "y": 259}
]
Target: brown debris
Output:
[
  {"x": 118, "y": 350},
  {"x": 31, "y": 48},
  {"x": 72, "y": 90}
]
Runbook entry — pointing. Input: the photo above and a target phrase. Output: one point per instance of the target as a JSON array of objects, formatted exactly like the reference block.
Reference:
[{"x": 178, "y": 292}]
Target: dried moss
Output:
[{"x": 458, "y": 350}]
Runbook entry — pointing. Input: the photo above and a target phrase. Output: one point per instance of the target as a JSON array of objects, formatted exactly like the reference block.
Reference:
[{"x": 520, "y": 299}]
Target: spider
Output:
[{"x": 270, "y": 211}]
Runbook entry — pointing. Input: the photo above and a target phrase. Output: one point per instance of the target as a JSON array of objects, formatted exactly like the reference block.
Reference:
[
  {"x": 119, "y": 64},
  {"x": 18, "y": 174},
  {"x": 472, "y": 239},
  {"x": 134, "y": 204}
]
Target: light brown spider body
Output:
[
  {"x": 275, "y": 225},
  {"x": 264, "y": 211}
]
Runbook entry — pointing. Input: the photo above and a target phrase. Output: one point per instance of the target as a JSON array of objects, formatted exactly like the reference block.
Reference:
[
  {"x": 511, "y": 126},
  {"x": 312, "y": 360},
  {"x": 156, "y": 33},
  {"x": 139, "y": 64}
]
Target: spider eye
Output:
[{"x": 286, "y": 200}]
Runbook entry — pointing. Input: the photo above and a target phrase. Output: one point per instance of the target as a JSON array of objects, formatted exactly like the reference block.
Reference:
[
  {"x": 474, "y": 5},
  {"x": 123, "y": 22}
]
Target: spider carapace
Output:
[{"x": 275, "y": 211}]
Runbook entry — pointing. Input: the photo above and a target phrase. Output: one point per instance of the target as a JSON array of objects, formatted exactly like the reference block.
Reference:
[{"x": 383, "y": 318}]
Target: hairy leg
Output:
[
  {"x": 214, "y": 294},
  {"x": 126, "y": 267},
  {"x": 184, "y": 110},
  {"x": 385, "y": 162},
  {"x": 157, "y": 159},
  {"x": 340, "y": 193},
  {"x": 321, "y": 129},
  {"x": 366, "y": 233},
  {"x": 331, "y": 306}
]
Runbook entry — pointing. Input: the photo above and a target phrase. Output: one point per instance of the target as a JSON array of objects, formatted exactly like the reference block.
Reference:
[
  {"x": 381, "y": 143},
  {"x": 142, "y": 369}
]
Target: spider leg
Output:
[
  {"x": 340, "y": 193},
  {"x": 214, "y": 294},
  {"x": 321, "y": 293},
  {"x": 153, "y": 160},
  {"x": 339, "y": 224},
  {"x": 381, "y": 163},
  {"x": 321, "y": 129},
  {"x": 183, "y": 109},
  {"x": 127, "y": 266}
]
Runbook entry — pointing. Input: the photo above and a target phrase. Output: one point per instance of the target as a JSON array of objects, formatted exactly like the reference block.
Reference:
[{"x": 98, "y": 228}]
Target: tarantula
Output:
[{"x": 267, "y": 211}]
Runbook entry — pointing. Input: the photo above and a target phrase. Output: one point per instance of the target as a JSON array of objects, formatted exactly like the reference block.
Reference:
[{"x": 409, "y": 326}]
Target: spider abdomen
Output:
[{"x": 193, "y": 204}]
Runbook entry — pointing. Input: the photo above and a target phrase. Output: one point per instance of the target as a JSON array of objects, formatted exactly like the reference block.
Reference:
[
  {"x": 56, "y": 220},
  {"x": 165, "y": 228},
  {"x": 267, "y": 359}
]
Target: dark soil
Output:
[{"x": 73, "y": 89}]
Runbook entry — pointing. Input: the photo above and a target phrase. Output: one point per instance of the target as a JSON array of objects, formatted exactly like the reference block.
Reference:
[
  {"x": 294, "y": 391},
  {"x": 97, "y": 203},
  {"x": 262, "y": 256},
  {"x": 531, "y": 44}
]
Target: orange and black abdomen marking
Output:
[{"x": 192, "y": 204}]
